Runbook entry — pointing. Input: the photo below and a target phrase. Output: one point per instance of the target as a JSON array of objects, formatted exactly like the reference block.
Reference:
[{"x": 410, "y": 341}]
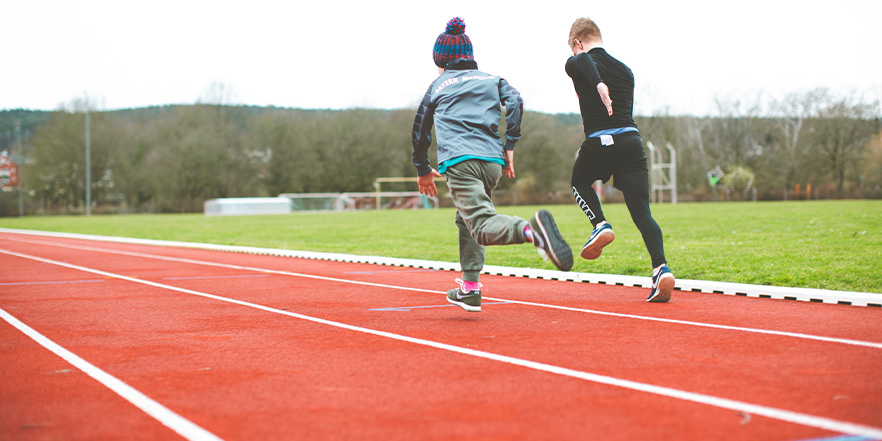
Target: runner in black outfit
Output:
[{"x": 612, "y": 148}]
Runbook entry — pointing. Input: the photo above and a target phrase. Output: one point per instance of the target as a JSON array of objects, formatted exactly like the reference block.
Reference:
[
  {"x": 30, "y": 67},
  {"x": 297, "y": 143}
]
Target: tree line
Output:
[{"x": 173, "y": 158}]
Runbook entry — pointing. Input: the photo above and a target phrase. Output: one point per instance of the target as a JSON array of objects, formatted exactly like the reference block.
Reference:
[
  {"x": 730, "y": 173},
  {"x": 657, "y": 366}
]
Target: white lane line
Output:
[
  {"x": 845, "y": 341},
  {"x": 164, "y": 415},
  {"x": 724, "y": 403},
  {"x": 851, "y": 342}
]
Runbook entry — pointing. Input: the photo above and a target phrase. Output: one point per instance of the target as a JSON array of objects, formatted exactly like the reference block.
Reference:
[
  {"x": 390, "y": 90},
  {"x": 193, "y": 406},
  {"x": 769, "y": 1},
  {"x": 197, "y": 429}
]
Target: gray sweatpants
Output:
[{"x": 471, "y": 185}]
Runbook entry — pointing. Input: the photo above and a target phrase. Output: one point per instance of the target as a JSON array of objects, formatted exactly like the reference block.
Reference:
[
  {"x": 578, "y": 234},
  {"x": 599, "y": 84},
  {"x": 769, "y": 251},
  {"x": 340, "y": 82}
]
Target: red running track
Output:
[{"x": 115, "y": 341}]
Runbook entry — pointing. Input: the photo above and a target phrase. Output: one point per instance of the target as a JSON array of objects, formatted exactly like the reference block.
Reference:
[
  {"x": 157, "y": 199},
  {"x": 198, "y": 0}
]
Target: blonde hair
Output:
[{"x": 584, "y": 29}]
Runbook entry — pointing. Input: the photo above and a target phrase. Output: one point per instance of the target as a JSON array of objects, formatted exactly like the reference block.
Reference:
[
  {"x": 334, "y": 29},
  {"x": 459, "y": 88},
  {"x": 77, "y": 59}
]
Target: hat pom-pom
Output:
[{"x": 455, "y": 26}]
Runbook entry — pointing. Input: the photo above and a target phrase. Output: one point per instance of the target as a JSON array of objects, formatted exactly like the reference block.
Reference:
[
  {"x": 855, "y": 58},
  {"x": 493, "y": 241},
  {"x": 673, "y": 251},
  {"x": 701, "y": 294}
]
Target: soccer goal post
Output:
[
  {"x": 378, "y": 184},
  {"x": 351, "y": 201},
  {"x": 662, "y": 175}
]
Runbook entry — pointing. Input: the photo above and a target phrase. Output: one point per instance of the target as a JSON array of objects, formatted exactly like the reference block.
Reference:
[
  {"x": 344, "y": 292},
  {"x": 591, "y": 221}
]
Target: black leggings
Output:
[{"x": 638, "y": 206}]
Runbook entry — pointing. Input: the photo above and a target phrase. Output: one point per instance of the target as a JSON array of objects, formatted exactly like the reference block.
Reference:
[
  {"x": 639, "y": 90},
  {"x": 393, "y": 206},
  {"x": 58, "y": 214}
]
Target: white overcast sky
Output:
[{"x": 377, "y": 54}]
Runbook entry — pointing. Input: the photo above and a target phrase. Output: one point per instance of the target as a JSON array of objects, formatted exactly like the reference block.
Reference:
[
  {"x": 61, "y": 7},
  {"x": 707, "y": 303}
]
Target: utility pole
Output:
[
  {"x": 88, "y": 165},
  {"x": 20, "y": 167}
]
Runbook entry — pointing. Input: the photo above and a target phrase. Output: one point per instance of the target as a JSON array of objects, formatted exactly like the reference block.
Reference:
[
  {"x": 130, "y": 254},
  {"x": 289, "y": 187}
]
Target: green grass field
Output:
[{"x": 818, "y": 244}]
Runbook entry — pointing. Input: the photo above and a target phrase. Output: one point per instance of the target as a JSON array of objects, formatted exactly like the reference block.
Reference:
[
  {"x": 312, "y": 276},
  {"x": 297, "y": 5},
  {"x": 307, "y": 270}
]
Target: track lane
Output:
[
  {"x": 41, "y": 393},
  {"x": 318, "y": 305},
  {"x": 338, "y": 383},
  {"x": 701, "y": 307}
]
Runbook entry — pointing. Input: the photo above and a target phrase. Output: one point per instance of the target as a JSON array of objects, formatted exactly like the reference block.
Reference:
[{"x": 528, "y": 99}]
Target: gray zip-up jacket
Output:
[{"x": 465, "y": 106}]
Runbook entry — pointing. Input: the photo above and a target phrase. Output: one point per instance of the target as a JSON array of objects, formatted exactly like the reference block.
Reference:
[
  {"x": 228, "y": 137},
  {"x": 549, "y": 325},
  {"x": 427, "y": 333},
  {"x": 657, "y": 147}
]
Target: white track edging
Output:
[{"x": 738, "y": 289}]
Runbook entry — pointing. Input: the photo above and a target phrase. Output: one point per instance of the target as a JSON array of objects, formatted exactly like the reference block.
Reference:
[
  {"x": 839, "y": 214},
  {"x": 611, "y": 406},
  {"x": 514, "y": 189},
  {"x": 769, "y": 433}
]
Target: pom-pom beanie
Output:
[{"x": 452, "y": 44}]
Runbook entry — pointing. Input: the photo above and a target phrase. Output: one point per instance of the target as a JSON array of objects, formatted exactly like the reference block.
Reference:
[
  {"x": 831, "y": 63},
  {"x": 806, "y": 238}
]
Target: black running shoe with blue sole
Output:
[
  {"x": 600, "y": 237},
  {"x": 662, "y": 286}
]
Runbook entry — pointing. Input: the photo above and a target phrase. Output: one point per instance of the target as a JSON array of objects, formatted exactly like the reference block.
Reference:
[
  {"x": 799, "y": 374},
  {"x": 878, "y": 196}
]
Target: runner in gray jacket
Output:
[{"x": 465, "y": 105}]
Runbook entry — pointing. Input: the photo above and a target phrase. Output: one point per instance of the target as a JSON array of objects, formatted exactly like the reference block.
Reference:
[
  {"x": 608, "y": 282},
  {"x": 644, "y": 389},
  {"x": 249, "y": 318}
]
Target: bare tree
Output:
[
  {"x": 735, "y": 136},
  {"x": 57, "y": 174},
  {"x": 793, "y": 112},
  {"x": 840, "y": 134},
  {"x": 218, "y": 94}
]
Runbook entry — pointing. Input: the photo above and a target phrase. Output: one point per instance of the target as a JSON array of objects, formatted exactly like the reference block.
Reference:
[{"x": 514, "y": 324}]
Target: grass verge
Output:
[{"x": 812, "y": 244}]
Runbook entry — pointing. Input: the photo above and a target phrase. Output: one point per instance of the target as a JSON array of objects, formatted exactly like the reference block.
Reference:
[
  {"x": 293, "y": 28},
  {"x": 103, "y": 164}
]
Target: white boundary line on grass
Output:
[
  {"x": 739, "y": 289},
  {"x": 164, "y": 415},
  {"x": 709, "y": 400}
]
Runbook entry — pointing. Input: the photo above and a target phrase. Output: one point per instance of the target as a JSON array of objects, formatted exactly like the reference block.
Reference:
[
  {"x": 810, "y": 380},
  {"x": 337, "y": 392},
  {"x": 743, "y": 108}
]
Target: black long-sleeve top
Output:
[{"x": 587, "y": 70}]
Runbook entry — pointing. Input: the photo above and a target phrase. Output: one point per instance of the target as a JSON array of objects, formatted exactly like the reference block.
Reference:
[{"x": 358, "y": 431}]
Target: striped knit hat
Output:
[{"x": 452, "y": 44}]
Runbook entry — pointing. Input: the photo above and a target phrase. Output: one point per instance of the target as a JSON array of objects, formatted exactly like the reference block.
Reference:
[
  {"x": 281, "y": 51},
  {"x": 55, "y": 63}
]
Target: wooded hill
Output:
[{"x": 173, "y": 158}]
